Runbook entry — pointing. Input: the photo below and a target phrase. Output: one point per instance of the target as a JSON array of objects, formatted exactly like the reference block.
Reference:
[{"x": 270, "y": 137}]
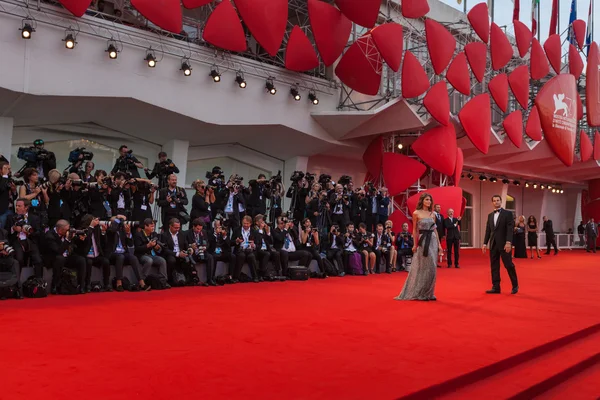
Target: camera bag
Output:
[
  {"x": 298, "y": 273},
  {"x": 67, "y": 283},
  {"x": 35, "y": 288},
  {"x": 156, "y": 282},
  {"x": 8, "y": 285}
]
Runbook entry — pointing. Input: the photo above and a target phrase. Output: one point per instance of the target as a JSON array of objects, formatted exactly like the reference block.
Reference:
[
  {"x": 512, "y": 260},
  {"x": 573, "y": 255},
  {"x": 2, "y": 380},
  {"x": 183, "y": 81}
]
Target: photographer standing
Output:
[
  {"x": 6, "y": 187},
  {"x": 38, "y": 158},
  {"x": 87, "y": 175},
  {"x": 35, "y": 193},
  {"x": 99, "y": 206},
  {"x": 335, "y": 250},
  {"x": 74, "y": 199},
  {"x": 8, "y": 262},
  {"x": 127, "y": 163},
  {"x": 25, "y": 230},
  {"x": 383, "y": 200},
  {"x": 172, "y": 201},
  {"x": 201, "y": 201},
  {"x": 260, "y": 191},
  {"x": 162, "y": 169},
  {"x": 143, "y": 197},
  {"x": 340, "y": 207},
  {"x": 232, "y": 201},
  {"x": 119, "y": 195}
]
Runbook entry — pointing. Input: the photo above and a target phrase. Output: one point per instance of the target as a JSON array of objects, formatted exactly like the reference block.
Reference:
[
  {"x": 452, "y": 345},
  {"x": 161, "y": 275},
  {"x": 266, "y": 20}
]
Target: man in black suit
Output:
[
  {"x": 499, "y": 235},
  {"x": 439, "y": 226},
  {"x": 24, "y": 232},
  {"x": 550, "y": 238},
  {"x": 451, "y": 225},
  {"x": 381, "y": 248},
  {"x": 197, "y": 238},
  {"x": 92, "y": 249},
  {"x": 246, "y": 241},
  {"x": 591, "y": 230},
  {"x": 259, "y": 193},
  {"x": 57, "y": 252},
  {"x": 286, "y": 242},
  {"x": 172, "y": 201},
  {"x": 6, "y": 187},
  {"x": 148, "y": 251},
  {"x": 176, "y": 252},
  {"x": 8, "y": 262},
  {"x": 220, "y": 248}
]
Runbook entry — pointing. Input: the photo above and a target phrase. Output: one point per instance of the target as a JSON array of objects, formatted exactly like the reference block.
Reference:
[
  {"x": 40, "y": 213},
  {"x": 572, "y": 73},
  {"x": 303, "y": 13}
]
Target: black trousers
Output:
[
  {"x": 9, "y": 262},
  {"x": 29, "y": 251},
  {"x": 181, "y": 265},
  {"x": 591, "y": 243},
  {"x": 453, "y": 245},
  {"x": 119, "y": 260},
  {"x": 210, "y": 263},
  {"x": 241, "y": 257},
  {"x": 551, "y": 242},
  {"x": 314, "y": 255},
  {"x": 73, "y": 262},
  {"x": 371, "y": 223},
  {"x": 98, "y": 262},
  {"x": 264, "y": 256},
  {"x": 495, "y": 256},
  {"x": 303, "y": 258},
  {"x": 228, "y": 258},
  {"x": 336, "y": 255},
  {"x": 340, "y": 220},
  {"x": 387, "y": 256}
]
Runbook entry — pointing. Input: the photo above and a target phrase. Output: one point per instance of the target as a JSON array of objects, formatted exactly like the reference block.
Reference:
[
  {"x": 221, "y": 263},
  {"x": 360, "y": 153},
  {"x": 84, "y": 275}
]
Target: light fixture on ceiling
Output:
[
  {"x": 215, "y": 74},
  {"x": 150, "y": 58},
  {"x": 516, "y": 183},
  {"x": 400, "y": 146},
  {"x": 470, "y": 176},
  {"x": 505, "y": 181},
  {"x": 112, "y": 50},
  {"x": 312, "y": 96},
  {"x": 482, "y": 178},
  {"x": 295, "y": 93},
  {"x": 535, "y": 185},
  {"x": 27, "y": 28},
  {"x": 493, "y": 179},
  {"x": 271, "y": 86},
  {"x": 239, "y": 78},
  {"x": 70, "y": 39},
  {"x": 186, "y": 67}
]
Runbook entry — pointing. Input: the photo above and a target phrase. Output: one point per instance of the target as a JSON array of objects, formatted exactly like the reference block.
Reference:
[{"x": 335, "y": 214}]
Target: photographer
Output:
[
  {"x": 177, "y": 252},
  {"x": 310, "y": 243},
  {"x": 172, "y": 201},
  {"x": 7, "y": 187},
  {"x": 77, "y": 157},
  {"x": 37, "y": 158},
  {"x": 312, "y": 203},
  {"x": 127, "y": 163},
  {"x": 404, "y": 245},
  {"x": 74, "y": 200},
  {"x": 197, "y": 237},
  {"x": 335, "y": 250},
  {"x": 92, "y": 248},
  {"x": 162, "y": 169},
  {"x": 201, "y": 201},
  {"x": 99, "y": 206},
  {"x": 34, "y": 192},
  {"x": 8, "y": 262},
  {"x": 360, "y": 204},
  {"x": 383, "y": 201},
  {"x": 285, "y": 241},
  {"x": 372, "y": 207},
  {"x": 351, "y": 240},
  {"x": 87, "y": 175},
  {"x": 389, "y": 226},
  {"x": 297, "y": 192},
  {"x": 265, "y": 250},
  {"x": 245, "y": 248},
  {"x": 57, "y": 252},
  {"x": 118, "y": 241},
  {"x": 148, "y": 250},
  {"x": 232, "y": 201},
  {"x": 382, "y": 246},
  {"x": 143, "y": 197},
  {"x": 119, "y": 194},
  {"x": 277, "y": 192},
  {"x": 260, "y": 191},
  {"x": 220, "y": 247},
  {"x": 366, "y": 249},
  {"x": 340, "y": 207},
  {"x": 25, "y": 230}
]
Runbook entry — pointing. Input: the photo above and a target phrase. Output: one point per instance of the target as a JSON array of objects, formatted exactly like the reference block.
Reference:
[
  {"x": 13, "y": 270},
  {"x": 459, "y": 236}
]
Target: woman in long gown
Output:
[
  {"x": 420, "y": 284},
  {"x": 532, "y": 236},
  {"x": 519, "y": 238}
]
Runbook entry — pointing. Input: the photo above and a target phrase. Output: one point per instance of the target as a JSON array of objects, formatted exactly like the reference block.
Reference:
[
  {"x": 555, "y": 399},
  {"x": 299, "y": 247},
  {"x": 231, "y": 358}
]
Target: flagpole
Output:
[
  {"x": 492, "y": 11},
  {"x": 465, "y": 10},
  {"x": 558, "y": 17},
  {"x": 539, "y": 24}
]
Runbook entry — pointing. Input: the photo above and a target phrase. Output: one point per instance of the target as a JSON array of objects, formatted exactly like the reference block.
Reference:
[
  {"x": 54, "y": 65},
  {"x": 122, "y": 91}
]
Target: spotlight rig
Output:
[
  {"x": 112, "y": 50},
  {"x": 312, "y": 96},
  {"x": 27, "y": 28},
  {"x": 271, "y": 86},
  {"x": 215, "y": 74},
  {"x": 239, "y": 78},
  {"x": 70, "y": 39},
  {"x": 150, "y": 58},
  {"x": 186, "y": 67},
  {"x": 295, "y": 93}
]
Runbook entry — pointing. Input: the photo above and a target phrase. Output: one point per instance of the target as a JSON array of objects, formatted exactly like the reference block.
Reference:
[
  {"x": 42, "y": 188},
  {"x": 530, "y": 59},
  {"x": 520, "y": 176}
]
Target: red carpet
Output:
[{"x": 342, "y": 338}]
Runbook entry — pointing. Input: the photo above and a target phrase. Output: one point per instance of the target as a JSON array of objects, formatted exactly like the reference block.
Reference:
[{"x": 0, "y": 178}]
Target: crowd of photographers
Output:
[{"x": 83, "y": 218}]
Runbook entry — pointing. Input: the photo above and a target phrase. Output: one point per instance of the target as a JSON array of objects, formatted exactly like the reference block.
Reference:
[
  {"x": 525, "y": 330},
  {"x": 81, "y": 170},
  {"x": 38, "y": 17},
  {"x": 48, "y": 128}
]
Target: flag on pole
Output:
[
  {"x": 572, "y": 18},
  {"x": 554, "y": 18},
  {"x": 516, "y": 10},
  {"x": 588, "y": 39},
  {"x": 535, "y": 7}
]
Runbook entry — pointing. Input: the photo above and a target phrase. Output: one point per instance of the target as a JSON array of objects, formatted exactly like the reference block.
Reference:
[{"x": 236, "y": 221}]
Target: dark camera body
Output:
[
  {"x": 32, "y": 154},
  {"x": 345, "y": 180},
  {"x": 79, "y": 154},
  {"x": 324, "y": 179},
  {"x": 297, "y": 176},
  {"x": 5, "y": 246}
]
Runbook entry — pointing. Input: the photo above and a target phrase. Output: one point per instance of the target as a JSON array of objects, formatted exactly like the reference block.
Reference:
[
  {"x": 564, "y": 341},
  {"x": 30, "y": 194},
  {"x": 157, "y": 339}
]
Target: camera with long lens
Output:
[
  {"x": 15, "y": 182},
  {"x": 77, "y": 232},
  {"x": 79, "y": 154},
  {"x": 5, "y": 246},
  {"x": 216, "y": 178},
  {"x": 324, "y": 179},
  {"x": 273, "y": 181},
  {"x": 345, "y": 180},
  {"x": 297, "y": 176},
  {"x": 237, "y": 182},
  {"x": 166, "y": 168},
  {"x": 20, "y": 222},
  {"x": 32, "y": 154},
  {"x": 310, "y": 178},
  {"x": 188, "y": 259}
]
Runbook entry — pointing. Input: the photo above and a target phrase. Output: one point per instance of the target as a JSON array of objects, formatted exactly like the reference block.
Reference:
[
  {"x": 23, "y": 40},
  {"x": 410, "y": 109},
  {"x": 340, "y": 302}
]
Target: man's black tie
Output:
[{"x": 498, "y": 210}]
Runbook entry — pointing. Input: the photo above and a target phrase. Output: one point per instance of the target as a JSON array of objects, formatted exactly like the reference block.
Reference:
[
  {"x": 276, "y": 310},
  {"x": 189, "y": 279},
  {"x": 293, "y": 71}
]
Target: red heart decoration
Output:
[
  {"x": 498, "y": 87},
  {"x": 440, "y": 43},
  {"x": 418, "y": 82},
  {"x": 360, "y": 67},
  {"x": 414, "y": 8},
  {"x": 592, "y": 77},
  {"x": 479, "y": 18},
  {"x": 388, "y": 39},
  {"x": 460, "y": 161},
  {"x": 398, "y": 183},
  {"x": 458, "y": 74},
  {"x": 554, "y": 51},
  {"x": 575, "y": 62},
  {"x": 299, "y": 53},
  {"x": 477, "y": 55},
  {"x": 437, "y": 103},
  {"x": 585, "y": 146},
  {"x": 534, "y": 126},
  {"x": 76, "y": 7},
  {"x": 224, "y": 29},
  {"x": 266, "y": 19},
  {"x": 523, "y": 35},
  {"x": 331, "y": 30},
  {"x": 519, "y": 84},
  {"x": 437, "y": 148},
  {"x": 476, "y": 120},
  {"x": 191, "y": 4},
  {"x": 513, "y": 126},
  {"x": 500, "y": 48},
  {"x": 557, "y": 105},
  {"x": 538, "y": 62},
  {"x": 166, "y": 14},
  {"x": 447, "y": 197}
]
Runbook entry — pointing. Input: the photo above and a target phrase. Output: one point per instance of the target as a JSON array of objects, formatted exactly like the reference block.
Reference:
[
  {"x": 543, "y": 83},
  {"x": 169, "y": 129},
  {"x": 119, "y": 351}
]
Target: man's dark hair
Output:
[
  {"x": 173, "y": 221},
  {"x": 122, "y": 147},
  {"x": 496, "y": 195},
  {"x": 198, "y": 222},
  {"x": 261, "y": 176},
  {"x": 362, "y": 225},
  {"x": 380, "y": 225},
  {"x": 162, "y": 154},
  {"x": 349, "y": 224},
  {"x": 86, "y": 220},
  {"x": 120, "y": 175},
  {"x": 147, "y": 222},
  {"x": 99, "y": 172},
  {"x": 3, "y": 163},
  {"x": 25, "y": 201}
]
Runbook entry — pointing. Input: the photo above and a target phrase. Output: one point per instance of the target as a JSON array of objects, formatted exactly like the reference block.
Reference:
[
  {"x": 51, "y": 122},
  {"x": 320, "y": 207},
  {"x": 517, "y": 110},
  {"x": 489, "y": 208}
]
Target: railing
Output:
[{"x": 568, "y": 241}]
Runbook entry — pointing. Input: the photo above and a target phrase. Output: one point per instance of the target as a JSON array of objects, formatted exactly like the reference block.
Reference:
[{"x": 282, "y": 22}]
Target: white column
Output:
[
  {"x": 177, "y": 151},
  {"x": 289, "y": 166},
  {"x": 6, "y": 134},
  {"x": 504, "y": 194}
]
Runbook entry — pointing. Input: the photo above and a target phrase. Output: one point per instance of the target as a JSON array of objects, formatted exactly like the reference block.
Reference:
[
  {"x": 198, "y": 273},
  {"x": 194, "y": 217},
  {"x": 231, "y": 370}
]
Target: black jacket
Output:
[
  {"x": 52, "y": 245},
  {"x": 32, "y": 220},
  {"x": 172, "y": 210},
  {"x": 112, "y": 234},
  {"x": 548, "y": 228},
  {"x": 140, "y": 244},
  {"x": 4, "y": 194},
  {"x": 221, "y": 242},
  {"x": 385, "y": 240},
  {"x": 280, "y": 235},
  {"x": 200, "y": 208},
  {"x": 439, "y": 225},
  {"x": 82, "y": 248},
  {"x": 254, "y": 236},
  {"x": 257, "y": 199},
  {"x": 168, "y": 241},
  {"x": 501, "y": 233},
  {"x": 451, "y": 225}
]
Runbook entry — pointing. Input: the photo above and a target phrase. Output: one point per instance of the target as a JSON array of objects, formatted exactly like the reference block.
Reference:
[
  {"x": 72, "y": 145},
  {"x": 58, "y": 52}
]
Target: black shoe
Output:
[
  {"x": 53, "y": 291},
  {"x": 19, "y": 295},
  {"x": 147, "y": 288},
  {"x": 82, "y": 291},
  {"x": 556, "y": 252},
  {"x": 493, "y": 291},
  {"x": 457, "y": 266},
  {"x": 107, "y": 288},
  {"x": 212, "y": 283},
  {"x": 388, "y": 271},
  {"x": 256, "y": 280},
  {"x": 514, "y": 290},
  {"x": 205, "y": 284},
  {"x": 449, "y": 266},
  {"x": 548, "y": 253},
  {"x": 120, "y": 288}
]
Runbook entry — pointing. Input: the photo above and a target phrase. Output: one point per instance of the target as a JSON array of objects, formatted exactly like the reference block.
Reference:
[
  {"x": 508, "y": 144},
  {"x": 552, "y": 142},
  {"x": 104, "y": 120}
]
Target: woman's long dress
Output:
[
  {"x": 519, "y": 240},
  {"x": 420, "y": 284},
  {"x": 532, "y": 237}
]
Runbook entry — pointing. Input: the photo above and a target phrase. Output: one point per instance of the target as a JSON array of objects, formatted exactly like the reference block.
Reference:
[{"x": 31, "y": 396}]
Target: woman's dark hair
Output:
[
  {"x": 532, "y": 217},
  {"x": 86, "y": 220},
  {"x": 422, "y": 199},
  {"x": 99, "y": 172},
  {"x": 28, "y": 173}
]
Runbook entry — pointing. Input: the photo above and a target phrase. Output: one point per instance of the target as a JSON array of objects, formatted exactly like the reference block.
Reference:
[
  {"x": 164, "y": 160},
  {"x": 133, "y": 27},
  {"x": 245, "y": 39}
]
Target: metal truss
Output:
[{"x": 117, "y": 20}]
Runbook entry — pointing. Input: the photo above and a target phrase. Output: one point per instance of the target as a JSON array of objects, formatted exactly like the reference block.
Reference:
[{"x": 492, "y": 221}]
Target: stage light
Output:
[
  {"x": 312, "y": 96},
  {"x": 516, "y": 183},
  {"x": 27, "y": 28},
  {"x": 527, "y": 184},
  {"x": 542, "y": 187},
  {"x": 549, "y": 187},
  {"x": 553, "y": 190},
  {"x": 70, "y": 41},
  {"x": 112, "y": 51},
  {"x": 562, "y": 191},
  {"x": 470, "y": 176},
  {"x": 505, "y": 181},
  {"x": 482, "y": 178},
  {"x": 150, "y": 58},
  {"x": 535, "y": 185},
  {"x": 493, "y": 179},
  {"x": 400, "y": 146},
  {"x": 271, "y": 86},
  {"x": 295, "y": 93},
  {"x": 186, "y": 68},
  {"x": 215, "y": 75},
  {"x": 239, "y": 78}
]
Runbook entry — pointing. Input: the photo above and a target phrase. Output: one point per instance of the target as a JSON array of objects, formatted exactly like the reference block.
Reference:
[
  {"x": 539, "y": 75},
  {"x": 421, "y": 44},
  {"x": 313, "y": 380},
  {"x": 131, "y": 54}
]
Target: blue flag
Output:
[
  {"x": 572, "y": 19},
  {"x": 588, "y": 39}
]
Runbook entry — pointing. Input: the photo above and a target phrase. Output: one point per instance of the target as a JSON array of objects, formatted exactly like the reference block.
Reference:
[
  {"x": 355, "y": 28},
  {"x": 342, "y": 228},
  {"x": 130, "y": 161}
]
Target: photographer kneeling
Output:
[
  {"x": 92, "y": 249},
  {"x": 57, "y": 252},
  {"x": 118, "y": 240},
  {"x": 25, "y": 230},
  {"x": 197, "y": 237},
  {"x": 149, "y": 250},
  {"x": 309, "y": 238}
]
